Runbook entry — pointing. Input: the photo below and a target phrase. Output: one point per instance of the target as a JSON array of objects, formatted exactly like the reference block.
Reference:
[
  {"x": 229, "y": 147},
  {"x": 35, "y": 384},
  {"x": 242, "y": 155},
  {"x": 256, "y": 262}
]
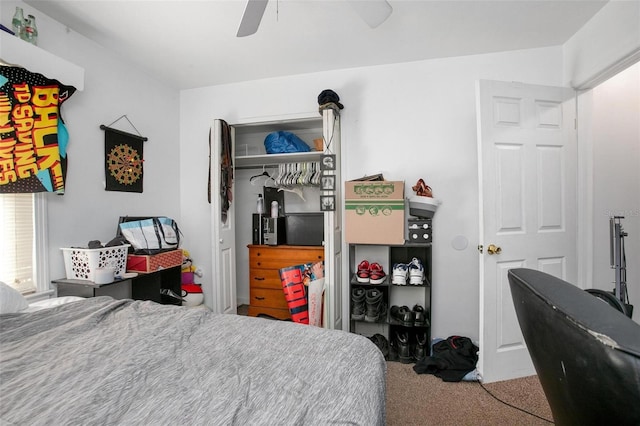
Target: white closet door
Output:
[{"x": 223, "y": 236}]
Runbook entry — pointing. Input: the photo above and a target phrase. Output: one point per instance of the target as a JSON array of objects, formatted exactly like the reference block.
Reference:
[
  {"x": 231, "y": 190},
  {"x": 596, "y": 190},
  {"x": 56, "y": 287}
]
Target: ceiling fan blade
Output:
[
  {"x": 251, "y": 17},
  {"x": 373, "y": 12}
]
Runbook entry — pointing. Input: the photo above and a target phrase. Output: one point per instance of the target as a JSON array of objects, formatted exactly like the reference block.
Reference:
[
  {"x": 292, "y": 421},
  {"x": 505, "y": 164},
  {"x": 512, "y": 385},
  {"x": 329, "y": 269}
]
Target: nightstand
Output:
[
  {"x": 145, "y": 286},
  {"x": 118, "y": 289}
]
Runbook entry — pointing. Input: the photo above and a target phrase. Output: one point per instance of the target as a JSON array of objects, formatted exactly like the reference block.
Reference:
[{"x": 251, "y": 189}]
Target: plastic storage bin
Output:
[{"x": 81, "y": 264}]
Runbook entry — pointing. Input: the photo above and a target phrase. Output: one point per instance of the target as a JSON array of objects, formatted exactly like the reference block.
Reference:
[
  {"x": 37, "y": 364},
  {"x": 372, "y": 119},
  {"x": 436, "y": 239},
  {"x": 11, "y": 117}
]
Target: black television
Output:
[{"x": 305, "y": 229}]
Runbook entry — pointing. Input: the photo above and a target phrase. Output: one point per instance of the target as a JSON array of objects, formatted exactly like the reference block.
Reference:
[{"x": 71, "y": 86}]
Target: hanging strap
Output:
[{"x": 107, "y": 127}]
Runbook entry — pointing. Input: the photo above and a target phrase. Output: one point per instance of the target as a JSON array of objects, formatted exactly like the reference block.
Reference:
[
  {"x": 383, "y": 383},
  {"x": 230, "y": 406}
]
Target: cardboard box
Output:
[
  {"x": 155, "y": 262},
  {"x": 374, "y": 212}
]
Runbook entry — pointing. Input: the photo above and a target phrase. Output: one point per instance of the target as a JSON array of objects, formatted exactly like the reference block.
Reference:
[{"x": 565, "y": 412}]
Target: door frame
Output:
[
  {"x": 334, "y": 293},
  {"x": 585, "y": 219}
]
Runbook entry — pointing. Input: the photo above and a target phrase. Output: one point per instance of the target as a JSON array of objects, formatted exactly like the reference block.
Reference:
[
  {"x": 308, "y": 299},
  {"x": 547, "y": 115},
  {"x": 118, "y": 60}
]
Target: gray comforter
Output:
[{"x": 101, "y": 361}]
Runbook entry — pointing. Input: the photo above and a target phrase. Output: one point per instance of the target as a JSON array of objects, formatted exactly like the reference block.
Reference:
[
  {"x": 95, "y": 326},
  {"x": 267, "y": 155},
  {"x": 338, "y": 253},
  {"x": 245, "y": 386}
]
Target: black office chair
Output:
[{"x": 586, "y": 353}]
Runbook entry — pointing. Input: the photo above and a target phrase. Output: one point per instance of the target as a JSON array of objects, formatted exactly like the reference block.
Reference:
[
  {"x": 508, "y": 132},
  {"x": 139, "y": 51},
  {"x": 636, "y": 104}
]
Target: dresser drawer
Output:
[
  {"x": 265, "y": 287},
  {"x": 265, "y": 278},
  {"x": 282, "y": 256},
  {"x": 268, "y": 298}
]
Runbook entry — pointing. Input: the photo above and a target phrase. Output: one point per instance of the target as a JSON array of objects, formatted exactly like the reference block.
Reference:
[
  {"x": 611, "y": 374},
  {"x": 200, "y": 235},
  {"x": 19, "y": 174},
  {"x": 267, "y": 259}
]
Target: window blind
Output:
[{"x": 17, "y": 241}]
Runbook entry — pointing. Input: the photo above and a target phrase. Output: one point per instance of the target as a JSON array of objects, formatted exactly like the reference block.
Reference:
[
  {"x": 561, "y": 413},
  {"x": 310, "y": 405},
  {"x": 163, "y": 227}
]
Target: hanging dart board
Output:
[{"x": 124, "y": 164}]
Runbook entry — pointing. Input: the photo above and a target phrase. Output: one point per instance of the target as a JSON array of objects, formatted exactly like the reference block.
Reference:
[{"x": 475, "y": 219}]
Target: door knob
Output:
[{"x": 493, "y": 249}]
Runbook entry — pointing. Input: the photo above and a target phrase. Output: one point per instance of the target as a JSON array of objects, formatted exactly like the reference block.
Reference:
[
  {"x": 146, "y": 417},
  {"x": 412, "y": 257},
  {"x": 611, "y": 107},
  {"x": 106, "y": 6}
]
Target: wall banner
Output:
[
  {"x": 33, "y": 137},
  {"x": 123, "y": 160}
]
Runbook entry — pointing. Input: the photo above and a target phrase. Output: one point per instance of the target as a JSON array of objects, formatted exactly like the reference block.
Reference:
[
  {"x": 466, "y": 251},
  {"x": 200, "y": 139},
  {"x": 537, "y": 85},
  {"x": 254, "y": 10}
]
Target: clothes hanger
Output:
[{"x": 264, "y": 173}]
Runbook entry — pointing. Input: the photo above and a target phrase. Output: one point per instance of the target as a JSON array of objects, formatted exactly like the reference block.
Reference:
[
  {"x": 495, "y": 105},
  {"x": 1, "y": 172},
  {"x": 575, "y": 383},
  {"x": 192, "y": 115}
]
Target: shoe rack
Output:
[{"x": 405, "y": 340}]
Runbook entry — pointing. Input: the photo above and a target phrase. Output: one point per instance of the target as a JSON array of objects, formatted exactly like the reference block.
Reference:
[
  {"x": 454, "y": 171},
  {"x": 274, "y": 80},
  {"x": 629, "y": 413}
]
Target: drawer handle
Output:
[
  {"x": 258, "y": 278},
  {"x": 259, "y": 263},
  {"x": 258, "y": 298}
]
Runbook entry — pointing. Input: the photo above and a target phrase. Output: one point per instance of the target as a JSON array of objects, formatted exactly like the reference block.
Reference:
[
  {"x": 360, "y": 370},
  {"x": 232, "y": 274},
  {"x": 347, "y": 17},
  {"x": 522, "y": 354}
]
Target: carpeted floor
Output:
[{"x": 423, "y": 399}]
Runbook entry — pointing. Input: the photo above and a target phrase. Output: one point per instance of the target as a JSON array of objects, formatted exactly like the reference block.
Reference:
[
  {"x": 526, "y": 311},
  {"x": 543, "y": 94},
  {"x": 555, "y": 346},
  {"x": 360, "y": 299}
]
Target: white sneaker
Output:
[
  {"x": 416, "y": 272},
  {"x": 399, "y": 274}
]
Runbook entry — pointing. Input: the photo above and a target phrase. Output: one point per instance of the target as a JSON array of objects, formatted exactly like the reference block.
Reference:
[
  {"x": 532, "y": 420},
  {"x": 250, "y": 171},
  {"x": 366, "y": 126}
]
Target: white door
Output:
[
  {"x": 333, "y": 226},
  {"x": 527, "y": 171},
  {"x": 223, "y": 237}
]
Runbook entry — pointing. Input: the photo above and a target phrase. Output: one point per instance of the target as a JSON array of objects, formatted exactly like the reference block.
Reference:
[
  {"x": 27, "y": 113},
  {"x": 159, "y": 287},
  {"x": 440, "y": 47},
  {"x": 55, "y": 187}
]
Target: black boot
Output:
[
  {"x": 404, "y": 350},
  {"x": 381, "y": 342},
  {"x": 376, "y": 308},
  {"x": 421, "y": 350},
  {"x": 357, "y": 304},
  {"x": 420, "y": 316},
  {"x": 402, "y": 315}
]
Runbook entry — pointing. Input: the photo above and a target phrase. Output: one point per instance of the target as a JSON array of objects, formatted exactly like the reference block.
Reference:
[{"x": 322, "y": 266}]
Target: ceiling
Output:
[{"x": 191, "y": 44}]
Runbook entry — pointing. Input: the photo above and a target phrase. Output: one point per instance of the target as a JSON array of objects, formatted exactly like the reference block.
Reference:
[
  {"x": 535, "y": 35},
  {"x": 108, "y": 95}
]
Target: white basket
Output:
[{"x": 81, "y": 264}]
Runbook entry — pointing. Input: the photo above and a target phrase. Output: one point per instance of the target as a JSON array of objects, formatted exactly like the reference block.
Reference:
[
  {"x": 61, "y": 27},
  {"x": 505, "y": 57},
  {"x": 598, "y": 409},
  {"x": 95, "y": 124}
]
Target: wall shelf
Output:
[{"x": 18, "y": 52}]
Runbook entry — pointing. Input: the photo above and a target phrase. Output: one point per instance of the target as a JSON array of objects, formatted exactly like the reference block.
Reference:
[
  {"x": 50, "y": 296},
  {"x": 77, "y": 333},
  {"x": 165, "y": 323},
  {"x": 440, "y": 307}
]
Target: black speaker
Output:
[{"x": 257, "y": 233}]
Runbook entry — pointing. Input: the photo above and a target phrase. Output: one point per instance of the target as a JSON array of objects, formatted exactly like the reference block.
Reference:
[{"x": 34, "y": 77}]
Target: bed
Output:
[{"x": 105, "y": 361}]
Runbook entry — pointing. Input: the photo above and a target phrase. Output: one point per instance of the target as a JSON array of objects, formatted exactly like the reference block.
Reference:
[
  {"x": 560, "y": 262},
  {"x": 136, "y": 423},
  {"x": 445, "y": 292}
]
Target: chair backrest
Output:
[{"x": 586, "y": 353}]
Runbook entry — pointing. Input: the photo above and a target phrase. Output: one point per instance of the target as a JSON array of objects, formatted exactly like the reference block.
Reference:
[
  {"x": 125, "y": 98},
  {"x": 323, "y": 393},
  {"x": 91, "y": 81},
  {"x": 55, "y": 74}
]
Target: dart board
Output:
[{"x": 125, "y": 164}]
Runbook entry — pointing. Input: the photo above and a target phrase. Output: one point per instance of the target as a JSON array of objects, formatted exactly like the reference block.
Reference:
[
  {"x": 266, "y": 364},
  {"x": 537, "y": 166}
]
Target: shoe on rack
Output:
[
  {"x": 376, "y": 308},
  {"x": 399, "y": 274},
  {"x": 363, "y": 272},
  {"x": 421, "y": 346},
  {"x": 416, "y": 272},
  {"x": 357, "y": 303},
  {"x": 420, "y": 316},
  {"x": 381, "y": 342},
  {"x": 404, "y": 349},
  {"x": 402, "y": 315},
  {"x": 376, "y": 274}
]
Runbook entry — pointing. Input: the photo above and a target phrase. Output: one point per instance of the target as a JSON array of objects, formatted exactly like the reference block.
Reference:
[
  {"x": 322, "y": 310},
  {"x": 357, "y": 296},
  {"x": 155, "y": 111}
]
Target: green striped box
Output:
[{"x": 374, "y": 212}]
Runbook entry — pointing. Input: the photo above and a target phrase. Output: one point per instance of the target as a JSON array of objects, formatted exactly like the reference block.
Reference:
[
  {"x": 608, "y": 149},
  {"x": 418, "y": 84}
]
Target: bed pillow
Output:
[
  {"x": 11, "y": 300},
  {"x": 50, "y": 303}
]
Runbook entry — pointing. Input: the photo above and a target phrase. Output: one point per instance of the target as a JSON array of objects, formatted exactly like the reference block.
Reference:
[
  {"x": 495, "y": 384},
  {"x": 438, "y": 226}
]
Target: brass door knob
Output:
[{"x": 493, "y": 249}]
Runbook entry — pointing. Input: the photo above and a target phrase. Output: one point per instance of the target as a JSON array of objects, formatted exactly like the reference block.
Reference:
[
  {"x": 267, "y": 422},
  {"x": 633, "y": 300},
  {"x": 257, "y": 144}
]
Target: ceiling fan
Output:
[{"x": 373, "y": 12}]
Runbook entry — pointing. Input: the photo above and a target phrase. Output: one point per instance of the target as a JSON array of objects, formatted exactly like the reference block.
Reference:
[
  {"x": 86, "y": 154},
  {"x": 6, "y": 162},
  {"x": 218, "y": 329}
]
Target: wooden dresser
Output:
[{"x": 265, "y": 287}]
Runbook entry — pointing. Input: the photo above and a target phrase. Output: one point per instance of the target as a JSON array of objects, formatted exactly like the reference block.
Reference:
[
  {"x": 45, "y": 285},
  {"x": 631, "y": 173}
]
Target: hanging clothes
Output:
[
  {"x": 33, "y": 139},
  {"x": 226, "y": 169}
]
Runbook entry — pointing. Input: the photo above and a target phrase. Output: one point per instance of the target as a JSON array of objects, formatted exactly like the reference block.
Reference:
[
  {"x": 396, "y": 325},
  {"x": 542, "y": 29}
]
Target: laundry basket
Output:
[{"x": 81, "y": 264}]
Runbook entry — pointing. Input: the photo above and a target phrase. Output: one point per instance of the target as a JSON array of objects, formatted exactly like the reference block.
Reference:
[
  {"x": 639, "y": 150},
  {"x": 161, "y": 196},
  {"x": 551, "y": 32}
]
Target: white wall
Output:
[
  {"x": 408, "y": 121},
  {"x": 112, "y": 88},
  {"x": 615, "y": 132},
  {"x": 611, "y": 37}
]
